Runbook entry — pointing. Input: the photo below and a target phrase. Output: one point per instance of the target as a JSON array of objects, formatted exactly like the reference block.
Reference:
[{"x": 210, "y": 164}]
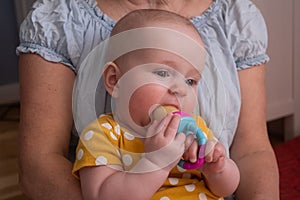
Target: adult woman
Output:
[{"x": 61, "y": 33}]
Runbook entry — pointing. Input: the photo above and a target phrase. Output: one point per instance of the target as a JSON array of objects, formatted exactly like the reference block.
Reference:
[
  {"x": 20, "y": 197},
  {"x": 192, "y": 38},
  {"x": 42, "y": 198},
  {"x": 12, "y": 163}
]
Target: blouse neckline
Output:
[{"x": 196, "y": 19}]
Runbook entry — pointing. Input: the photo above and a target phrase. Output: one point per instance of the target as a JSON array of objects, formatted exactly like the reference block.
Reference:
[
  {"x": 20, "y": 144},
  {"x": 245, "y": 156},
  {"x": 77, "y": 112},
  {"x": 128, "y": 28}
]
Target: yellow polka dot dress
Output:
[{"x": 104, "y": 142}]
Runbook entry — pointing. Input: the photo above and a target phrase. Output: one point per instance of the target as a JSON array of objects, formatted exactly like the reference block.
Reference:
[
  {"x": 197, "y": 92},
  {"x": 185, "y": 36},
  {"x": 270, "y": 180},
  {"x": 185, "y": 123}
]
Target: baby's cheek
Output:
[
  {"x": 190, "y": 102},
  {"x": 137, "y": 111},
  {"x": 140, "y": 103}
]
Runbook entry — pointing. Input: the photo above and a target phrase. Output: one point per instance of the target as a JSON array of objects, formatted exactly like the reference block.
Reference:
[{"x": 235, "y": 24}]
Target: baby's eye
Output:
[
  {"x": 162, "y": 73},
  {"x": 191, "y": 82}
]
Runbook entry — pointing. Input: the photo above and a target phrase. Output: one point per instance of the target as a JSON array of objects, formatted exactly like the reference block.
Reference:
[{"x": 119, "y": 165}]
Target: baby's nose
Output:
[{"x": 178, "y": 87}]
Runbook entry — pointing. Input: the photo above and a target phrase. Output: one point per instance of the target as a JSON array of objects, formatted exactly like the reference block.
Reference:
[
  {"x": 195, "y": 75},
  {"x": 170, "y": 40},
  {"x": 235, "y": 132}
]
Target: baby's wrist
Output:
[
  {"x": 146, "y": 165},
  {"x": 215, "y": 168}
]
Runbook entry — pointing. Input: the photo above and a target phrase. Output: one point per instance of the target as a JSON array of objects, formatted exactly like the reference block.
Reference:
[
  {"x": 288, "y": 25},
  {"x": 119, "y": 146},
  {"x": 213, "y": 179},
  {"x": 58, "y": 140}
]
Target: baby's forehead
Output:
[
  {"x": 165, "y": 39},
  {"x": 178, "y": 31}
]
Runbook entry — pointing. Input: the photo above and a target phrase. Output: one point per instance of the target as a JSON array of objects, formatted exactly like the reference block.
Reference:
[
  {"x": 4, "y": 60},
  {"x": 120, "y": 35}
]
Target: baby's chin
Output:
[{"x": 144, "y": 121}]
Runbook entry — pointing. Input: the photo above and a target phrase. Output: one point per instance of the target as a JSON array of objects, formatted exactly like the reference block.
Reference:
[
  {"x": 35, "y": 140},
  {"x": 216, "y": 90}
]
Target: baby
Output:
[{"x": 128, "y": 154}]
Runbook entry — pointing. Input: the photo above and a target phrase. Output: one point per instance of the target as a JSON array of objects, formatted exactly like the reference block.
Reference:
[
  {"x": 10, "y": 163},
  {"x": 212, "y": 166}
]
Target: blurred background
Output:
[{"x": 283, "y": 80}]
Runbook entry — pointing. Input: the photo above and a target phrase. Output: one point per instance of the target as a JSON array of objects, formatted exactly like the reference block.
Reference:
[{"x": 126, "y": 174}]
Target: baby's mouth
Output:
[{"x": 158, "y": 112}]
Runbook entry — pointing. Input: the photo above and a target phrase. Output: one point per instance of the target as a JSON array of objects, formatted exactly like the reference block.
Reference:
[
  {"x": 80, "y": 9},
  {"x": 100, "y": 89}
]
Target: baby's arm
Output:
[
  {"x": 103, "y": 182},
  {"x": 221, "y": 174},
  {"x": 141, "y": 182}
]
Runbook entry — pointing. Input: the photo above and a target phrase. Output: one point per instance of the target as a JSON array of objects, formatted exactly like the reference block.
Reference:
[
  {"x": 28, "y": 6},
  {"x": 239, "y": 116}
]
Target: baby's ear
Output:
[{"x": 111, "y": 76}]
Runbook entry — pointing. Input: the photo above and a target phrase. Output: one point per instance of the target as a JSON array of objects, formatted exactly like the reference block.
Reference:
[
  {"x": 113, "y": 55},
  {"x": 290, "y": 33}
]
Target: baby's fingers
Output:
[
  {"x": 158, "y": 127},
  {"x": 216, "y": 153},
  {"x": 172, "y": 126},
  {"x": 191, "y": 153}
]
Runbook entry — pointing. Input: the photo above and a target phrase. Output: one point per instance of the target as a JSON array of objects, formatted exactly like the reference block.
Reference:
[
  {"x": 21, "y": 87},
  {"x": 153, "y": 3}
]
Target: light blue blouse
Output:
[{"x": 233, "y": 31}]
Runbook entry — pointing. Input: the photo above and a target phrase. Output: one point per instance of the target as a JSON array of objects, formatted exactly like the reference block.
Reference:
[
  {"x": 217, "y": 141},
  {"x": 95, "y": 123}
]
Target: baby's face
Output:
[
  {"x": 150, "y": 77},
  {"x": 156, "y": 77}
]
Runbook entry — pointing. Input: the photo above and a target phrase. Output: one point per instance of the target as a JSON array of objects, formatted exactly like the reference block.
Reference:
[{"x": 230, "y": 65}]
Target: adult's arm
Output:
[
  {"x": 251, "y": 149},
  {"x": 45, "y": 127}
]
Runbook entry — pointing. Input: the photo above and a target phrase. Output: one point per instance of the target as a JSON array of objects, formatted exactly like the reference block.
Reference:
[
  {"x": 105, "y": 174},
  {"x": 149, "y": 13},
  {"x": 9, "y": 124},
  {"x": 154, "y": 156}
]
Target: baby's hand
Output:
[
  {"x": 191, "y": 149},
  {"x": 214, "y": 160},
  {"x": 162, "y": 146}
]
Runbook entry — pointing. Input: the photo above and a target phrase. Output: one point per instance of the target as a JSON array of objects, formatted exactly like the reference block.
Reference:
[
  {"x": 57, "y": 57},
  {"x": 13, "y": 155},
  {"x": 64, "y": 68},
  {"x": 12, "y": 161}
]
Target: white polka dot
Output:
[
  {"x": 127, "y": 159},
  {"x": 173, "y": 181},
  {"x": 180, "y": 169},
  {"x": 190, "y": 187},
  {"x": 88, "y": 135},
  {"x": 113, "y": 136},
  {"x": 164, "y": 198},
  {"x": 107, "y": 125},
  {"x": 101, "y": 160},
  {"x": 79, "y": 154},
  {"x": 186, "y": 176},
  {"x": 128, "y": 136},
  {"x": 117, "y": 129},
  {"x": 202, "y": 196}
]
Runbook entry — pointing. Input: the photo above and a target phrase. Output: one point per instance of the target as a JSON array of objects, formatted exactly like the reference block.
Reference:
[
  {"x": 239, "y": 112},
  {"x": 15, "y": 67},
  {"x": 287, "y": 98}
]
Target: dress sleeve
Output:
[
  {"x": 247, "y": 33},
  {"x": 97, "y": 147},
  {"x": 54, "y": 30},
  {"x": 201, "y": 124}
]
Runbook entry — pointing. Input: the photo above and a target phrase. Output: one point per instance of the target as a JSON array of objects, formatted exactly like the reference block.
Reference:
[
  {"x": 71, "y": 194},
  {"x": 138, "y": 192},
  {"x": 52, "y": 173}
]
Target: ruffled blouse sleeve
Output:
[
  {"x": 247, "y": 33},
  {"x": 54, "y": 30}
]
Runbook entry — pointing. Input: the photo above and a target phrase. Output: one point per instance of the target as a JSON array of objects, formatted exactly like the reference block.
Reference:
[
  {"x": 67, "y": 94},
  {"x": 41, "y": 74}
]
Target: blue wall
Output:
[{"x": 8, "y": 42}]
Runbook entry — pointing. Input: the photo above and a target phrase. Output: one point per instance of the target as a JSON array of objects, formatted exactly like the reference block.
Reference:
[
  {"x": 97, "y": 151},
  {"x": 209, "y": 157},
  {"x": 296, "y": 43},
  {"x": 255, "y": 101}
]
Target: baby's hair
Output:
[
  {"x": 146, "y": 17},
  {"x": 150, "y": 18}
]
